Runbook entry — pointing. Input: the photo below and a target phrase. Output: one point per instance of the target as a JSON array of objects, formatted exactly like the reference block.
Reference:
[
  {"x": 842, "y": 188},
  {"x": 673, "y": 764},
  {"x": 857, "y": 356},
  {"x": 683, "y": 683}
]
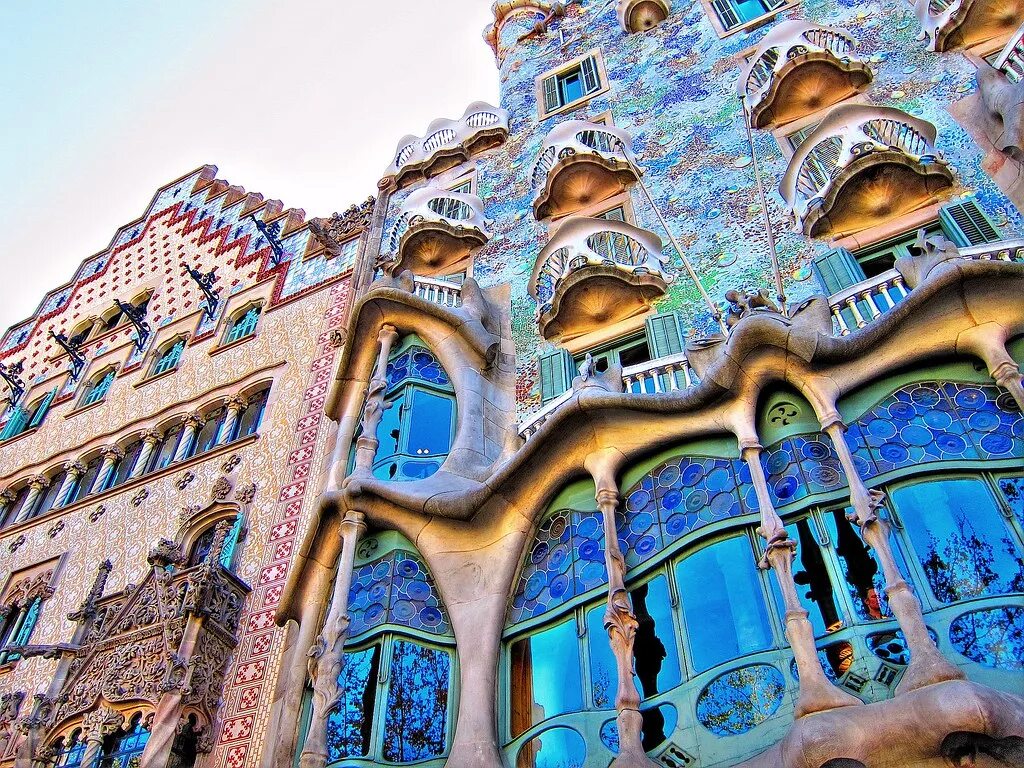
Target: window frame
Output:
[
  {"x": 600, "y": 71},
  {"x": 235, "y": 320},
  {"x": 724, "y": 31},
  {"x": 107, "y": 375}
]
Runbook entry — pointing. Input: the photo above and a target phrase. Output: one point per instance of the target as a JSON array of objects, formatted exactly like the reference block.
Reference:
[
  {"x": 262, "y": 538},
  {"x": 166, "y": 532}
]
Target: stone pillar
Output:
[
  {"x": 150, "y": 439},
  {"x": 37, "y": 484},
  {"x": 188, "y": 433},
  {"x": 816, "y": 694},
  {"x": 373, "y": 408},
  {"x": 6, "y": 499},
  {"x": 233, "y": 407},
  {"x": 326, "y": 656},
  {"x": 96, "y": 726},
  {"x": 619, "y": 620},
  {"x": 111, "y": 454},
  {"x": 31, "y": 754},
  {"x": 927, "y": 664},
  {"x": 1007, "y": 375},
  {"x": 73, "y": 470}
]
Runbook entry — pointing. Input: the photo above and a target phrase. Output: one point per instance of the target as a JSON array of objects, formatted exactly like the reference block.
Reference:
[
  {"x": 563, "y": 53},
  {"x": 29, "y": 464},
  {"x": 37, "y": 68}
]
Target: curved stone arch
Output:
[
  {"x": 102, "y": 715},
  {"x": 196, "y": 522}
]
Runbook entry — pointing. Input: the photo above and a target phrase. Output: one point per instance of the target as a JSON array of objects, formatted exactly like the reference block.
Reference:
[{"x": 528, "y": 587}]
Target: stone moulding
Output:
[
  {"x": 581, "y": 163},
  {"x": 447, "y": 143},
  {"x": 862, "y": 165},
  {"x": 639, "y": 15},
  {"x": 953, "y": 23},
  {"x": 799, "y": 68},
  {"x": 1003, "y": 97}
]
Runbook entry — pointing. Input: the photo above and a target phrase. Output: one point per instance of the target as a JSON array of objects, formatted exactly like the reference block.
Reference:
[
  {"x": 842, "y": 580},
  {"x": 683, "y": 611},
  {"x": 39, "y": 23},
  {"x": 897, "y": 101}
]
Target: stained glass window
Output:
[
  {"x": 123, "y": 749},
  {"x": 68, "y": 753}
]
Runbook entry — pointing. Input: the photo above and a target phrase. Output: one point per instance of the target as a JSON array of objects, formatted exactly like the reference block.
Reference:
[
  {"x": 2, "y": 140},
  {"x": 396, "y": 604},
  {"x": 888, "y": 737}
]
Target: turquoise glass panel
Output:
[
  {"x": 554, "y": 748},
  {"x": 546, "y": 673}
]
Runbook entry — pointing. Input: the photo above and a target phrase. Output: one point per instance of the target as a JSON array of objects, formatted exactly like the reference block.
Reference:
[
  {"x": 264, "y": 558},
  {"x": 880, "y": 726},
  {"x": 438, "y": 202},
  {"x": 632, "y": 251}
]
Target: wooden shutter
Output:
[
  {"x": 665, "y": 335},
  {"x": 966, "y": 224},
  {"x": 556, "y": 374},
  {"x": 837, "y": 269},
  {"x": 551, "y": 100},
  {"x": 591, "y": 77},
  {"x": 44, "y": 406},
  {"x": 15, "y": 424},
  {"x": 726, "y": 13}
]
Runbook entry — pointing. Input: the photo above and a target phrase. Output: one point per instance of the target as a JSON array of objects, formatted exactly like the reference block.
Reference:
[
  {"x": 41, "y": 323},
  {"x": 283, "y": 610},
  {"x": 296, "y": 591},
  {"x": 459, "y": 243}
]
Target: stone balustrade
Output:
[
  {"x": 439, "y": 292},
  {"x": 1011, "y": 61}
]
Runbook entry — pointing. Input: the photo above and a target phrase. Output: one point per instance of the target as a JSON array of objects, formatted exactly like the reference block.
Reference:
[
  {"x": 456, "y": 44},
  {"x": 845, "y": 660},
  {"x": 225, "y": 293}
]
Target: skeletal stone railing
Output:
[
  {"x": 439, "y": 292},
  {"x": 578, "y": 137},
  {"x": 456, "y": 210},
  {"x": 1011, "y": 60},
  {"x": 847, "y": 136}
]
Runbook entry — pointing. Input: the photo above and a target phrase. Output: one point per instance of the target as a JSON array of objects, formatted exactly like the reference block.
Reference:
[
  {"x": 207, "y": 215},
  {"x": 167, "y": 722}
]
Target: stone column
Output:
[
  {"x": 1007, "y": 375},
  {"x": 111, "y": 454},
  {"x": 373, "y": 408},
  {"x": 326, "y": 656},
  {"x": 927, "y": 664},
  {"x": 6, "y": 499},
  {"x": 816, "y": 693},
  {"x": 32, "y": 754},
  {"x": 73, "y": 470},
  {"x": 37, "y": 484},
  {"x": 233, "y": 407},
  {"x": 619, "y": 620},
  {"x": 188, "y": 433},
  {"x": 150, "y": 439},
  {"x": 96, "y": 726}
]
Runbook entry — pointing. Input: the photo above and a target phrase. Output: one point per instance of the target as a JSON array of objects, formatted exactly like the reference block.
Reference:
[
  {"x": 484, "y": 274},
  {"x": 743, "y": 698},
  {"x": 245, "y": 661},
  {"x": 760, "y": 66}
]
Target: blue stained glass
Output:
[
  {"x": 396, "y": 589},
  {"x": 415, "y": 362},
  {"x": 799, "y": 466}
]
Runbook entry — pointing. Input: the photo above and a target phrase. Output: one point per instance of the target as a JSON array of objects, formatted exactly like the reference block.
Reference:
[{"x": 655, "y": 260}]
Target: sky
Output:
[{"x": 103, "y": 102}]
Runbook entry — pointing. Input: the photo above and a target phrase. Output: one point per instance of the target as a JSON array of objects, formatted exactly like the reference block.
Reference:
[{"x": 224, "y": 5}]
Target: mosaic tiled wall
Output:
[{"x": 674, "y": 89}]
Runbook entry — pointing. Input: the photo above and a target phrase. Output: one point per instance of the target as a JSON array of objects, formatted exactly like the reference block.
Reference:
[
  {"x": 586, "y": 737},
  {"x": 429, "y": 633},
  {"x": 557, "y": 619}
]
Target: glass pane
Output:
[
  {"x": 571, "y": 87},
  {"x": 416, "y": 723},
  {"x": 813, "y": 581},
  {"x": 252, "y": 416},
  {"x": 210, "y": 432},
  {"x": 430, "y": 425},
  {"x": 350, "y": 724},
  {"x": 164, "y": 453},
  {"x": 961, "y": 539},
  {"x": 656, "y": 664},
  {"x": 723, "y": 603},
  {"x": 127, "y": 464},
  {"x": 749, "y": 10},
  {"x": 556, "y": 748},
  {"x": 1013, "y": 491},
  {"x": 864, "y": 579},
  {"x": 545, "y": 676},
  {"x": 389, "y": 429}
]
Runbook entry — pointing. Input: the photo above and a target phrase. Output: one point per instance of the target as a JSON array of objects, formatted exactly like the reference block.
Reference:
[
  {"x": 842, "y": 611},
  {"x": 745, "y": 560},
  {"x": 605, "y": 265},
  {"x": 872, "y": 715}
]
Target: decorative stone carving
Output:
[
  {"x": 140, "y": 497},
  {"x": 1004, "y": 100},
  {"x": 931, "y": 252},
  {"x": 246, "y": 493},
  {"x": 165, "y": 552},
  {"x": 27, "y": 589},
  {"x": 341, "y": 226},
  {"x": 233, "y": 461},
  {"x": 15, "y": 545},
  {"x": 101, "y": 722},
  {"x": 88, "y": 608},
  {"x": 337, "y": 338},
  {"x": 221, "y": 489},
  {"x": 185, "y": 480},
  {"x": 97, "y": 513},
  {"x": 55, "y": 529}
]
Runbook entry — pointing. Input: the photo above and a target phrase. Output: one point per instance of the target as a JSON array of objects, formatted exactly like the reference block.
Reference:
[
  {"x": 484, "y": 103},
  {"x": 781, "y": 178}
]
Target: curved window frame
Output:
[
  {"x": 168, "y": 357},
  {"x": 98, "y": 387},
  {"x": 243, "y": 323}
]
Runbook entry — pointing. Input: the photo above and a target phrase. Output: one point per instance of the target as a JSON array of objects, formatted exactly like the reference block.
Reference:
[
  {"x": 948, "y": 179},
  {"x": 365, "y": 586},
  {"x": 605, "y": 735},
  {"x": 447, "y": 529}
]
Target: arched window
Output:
[
  {"x": 69, "y": 751},
  {"x": 50, "y": 498},
  {"x": 23, "y": 419},
  {"x": 168, "y": 357},
  {"x": 12, "y": 510},
  {"x": 418, "y": 425},
  {"x": 123, "y": 467},
  {"x": 124, "y": 747},
  {"x": 85, "y": 483},
  {"x": 17, "y": 627},
  {"x": 251, "y": 417},
  {"x": 185, "y": 748},
  {"x": 243, "y": 324},
  {"x": 200, "y": 550},
  {"x": 97, "y": 389},
  {"x": 163, "y": 451},
  {"x": 405, "y": 715}
]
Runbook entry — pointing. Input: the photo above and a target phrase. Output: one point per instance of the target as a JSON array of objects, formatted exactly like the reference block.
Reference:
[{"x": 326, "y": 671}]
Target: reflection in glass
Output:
[
  {"x": 813, "y": 582},
  {"x": 723, "y": 603},
  {"x": 349, "y": 725},
  {"x": 430, "y": 425},
  {"x": 993, "y": 637},
  {"x": 555, "y": 748},
  {"x": 1013, "y": 491},
  {"x": 865, "y": 581},
  {"x": 658, "y": 724},
  {"x": 545, "y": 676},
  {"x": 416, "y": 723},
  {"x": 741, "y": 699},
  {"x": 960, "y": 538},
  {"x": 388, "y": 433}
]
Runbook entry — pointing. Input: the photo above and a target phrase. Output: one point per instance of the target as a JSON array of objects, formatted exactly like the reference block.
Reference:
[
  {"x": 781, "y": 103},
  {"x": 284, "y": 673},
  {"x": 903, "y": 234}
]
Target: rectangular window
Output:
[
  {"x": 464, "y": 187},
  {"x": 571, "y": 85},
  {"x": 736, "y": 13}
]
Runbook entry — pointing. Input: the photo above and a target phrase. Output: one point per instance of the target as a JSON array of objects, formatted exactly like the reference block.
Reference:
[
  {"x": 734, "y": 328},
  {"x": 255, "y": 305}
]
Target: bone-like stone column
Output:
[
  {"x": 816, "y": 694},
  {"x": 1008, "y": 376},
  {"x": 927, "y": 664},
  {"x": 619, "y": 620},
  {"x": 326, "y": 656},
  {"x": 373, "y": 409}
]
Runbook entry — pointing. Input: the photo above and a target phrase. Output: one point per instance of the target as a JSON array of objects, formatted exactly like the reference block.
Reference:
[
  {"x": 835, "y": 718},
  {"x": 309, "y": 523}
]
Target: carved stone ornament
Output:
[
  {"x": 608, "y": 380},
  {"x": 101, "y": 722},
  {"x": 55, "y": 529},
  {"x": 338, "y": 337},
  {"x": 10, "y": 703},
  {"x": 184, "y": 480},
  {"x": 15, "y": 545},
  {"x": 233, "y": 461},
  {"x": 164, "y": 552},
  {"x": 188, "y": 512},
  {"x": 246, "y": 493},
  {"x": 87, "y": 610},
  {"x": 97, "y": 513},
  {"x": 340, "y": 226},
  {"x": 930, "y": 252},
  {"x": 112, "y": 452},
  {"x": 221, "y": 489},
  {"x": 140, "y": 497}
]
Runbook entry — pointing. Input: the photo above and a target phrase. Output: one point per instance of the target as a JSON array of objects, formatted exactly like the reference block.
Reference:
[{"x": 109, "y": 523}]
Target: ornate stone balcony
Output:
[
  {"x": 638, "y": 15},
  {"x": 581, "y": 163},
  {"x": 448, "y": 143},
  {"x": 594, "y": 272},
  {"x": 862, "y": 165},
  {"x": 800, "y": 68},
  {"x": 962, "y": 23},
  {"x": 435, "y": 231}
]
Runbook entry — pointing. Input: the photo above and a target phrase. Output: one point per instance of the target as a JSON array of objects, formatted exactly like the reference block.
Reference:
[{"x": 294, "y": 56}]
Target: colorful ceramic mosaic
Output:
[{"x": 396, "y": 589}]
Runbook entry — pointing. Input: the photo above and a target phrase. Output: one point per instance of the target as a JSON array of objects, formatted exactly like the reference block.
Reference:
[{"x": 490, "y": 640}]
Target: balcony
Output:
[
  {"x": 447, "y": 143},
  {"x": 596, "y": 272},
  {"x": 436, "y": 232},
  {"x": 963, "y": 23},
  {"x": 798, "y": 69},
  {"x": 639, "y": 15},
  {"x": 861, "y": 166},
  {"x": 439, "y": 292},
  {"x": 581, "y": 163},
  {"x": 1011, "y": 60}
]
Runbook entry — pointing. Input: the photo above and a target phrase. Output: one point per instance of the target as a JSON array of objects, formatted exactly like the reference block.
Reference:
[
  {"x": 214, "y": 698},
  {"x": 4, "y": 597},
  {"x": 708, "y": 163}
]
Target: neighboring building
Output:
[{"x": 737, "y": 282}]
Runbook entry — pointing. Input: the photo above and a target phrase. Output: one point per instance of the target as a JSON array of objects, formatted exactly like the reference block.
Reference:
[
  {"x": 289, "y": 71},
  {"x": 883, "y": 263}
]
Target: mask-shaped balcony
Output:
[
  {"x": 861, "y": 166},
  {"x": 595, "y": 272},
  {"x": 798, "y": 69},
  {"x": 580, "y": 164},
  {"x": 448, "y": 143},
  {"x": 436, "y": 232},
  {"x": 638, "y": 15},
  {"x": 962, "y": 23}
]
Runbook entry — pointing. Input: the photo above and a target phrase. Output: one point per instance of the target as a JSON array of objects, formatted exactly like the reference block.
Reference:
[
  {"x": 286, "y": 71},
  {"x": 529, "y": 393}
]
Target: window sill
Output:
[
  {"x": 156, "y": 377},
  {"x": 748, "y": 26},
  {"x": 134, "y": 482},
  {"x": 20, "y": 435},
  {"x": 575, "y": 104},
  {"x": 231, "y": 345},
  {"x": 84, "y": 408}
]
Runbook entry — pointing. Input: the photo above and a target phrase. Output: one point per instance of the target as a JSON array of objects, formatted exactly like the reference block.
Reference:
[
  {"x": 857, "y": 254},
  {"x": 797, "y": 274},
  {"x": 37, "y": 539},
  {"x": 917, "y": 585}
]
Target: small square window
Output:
[
  {"x": 572, "y": 85},
  {"x": 733, "y": 14}
]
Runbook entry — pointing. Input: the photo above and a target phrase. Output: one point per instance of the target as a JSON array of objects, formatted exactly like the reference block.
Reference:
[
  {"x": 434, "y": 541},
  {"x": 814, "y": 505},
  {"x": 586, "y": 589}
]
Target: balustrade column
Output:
[
  {"x": 150, "y": 440},
  {"x": 97, "y": 725},
  {"x": 326, "y": 657},
  {"x": 73, "y": 470},
  {"x": 111, "y": 454},
  {"x": 37, "y": 484},
  {"x": 927, "y": 664},
  {"x": 816, "y": 693},
  {"x": 188, "y": 433},
  {"x": 234, "y": 407},
  {"x": 373, "y": 408},
  {"x": 619, "y": 620}
]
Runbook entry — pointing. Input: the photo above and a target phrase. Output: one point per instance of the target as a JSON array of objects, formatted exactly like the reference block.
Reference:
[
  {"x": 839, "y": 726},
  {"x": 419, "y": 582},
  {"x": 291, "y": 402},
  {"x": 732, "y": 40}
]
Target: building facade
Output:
[{"x": 669, "y": 413}]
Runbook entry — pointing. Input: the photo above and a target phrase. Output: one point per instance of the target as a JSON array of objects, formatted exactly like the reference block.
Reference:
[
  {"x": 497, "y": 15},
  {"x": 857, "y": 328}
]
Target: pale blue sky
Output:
[{"x": 104, "y": 101}]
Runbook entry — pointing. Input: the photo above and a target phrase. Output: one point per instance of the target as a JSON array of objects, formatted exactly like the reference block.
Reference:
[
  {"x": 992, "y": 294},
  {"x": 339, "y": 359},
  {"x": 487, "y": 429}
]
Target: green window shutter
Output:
[
  {"x": 551, "y": 100},
  {"x": 43, "y": 408},
  {"x": 966, "y": 224},
  {"x": 556, "y": 374},
  {"x": 591, "y": 78},
  {"x": 837, "y": 269},
  {"x": 665, "y": 335},
  {"x": 15, "y": 424}
]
